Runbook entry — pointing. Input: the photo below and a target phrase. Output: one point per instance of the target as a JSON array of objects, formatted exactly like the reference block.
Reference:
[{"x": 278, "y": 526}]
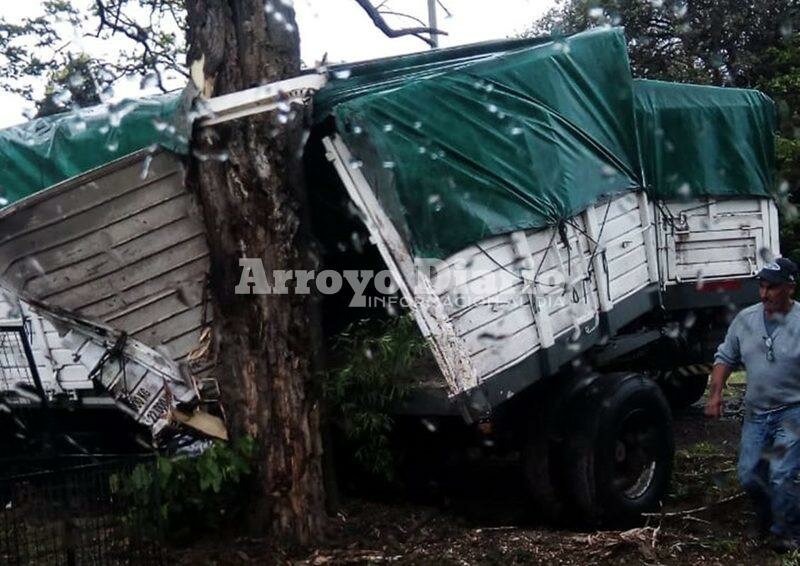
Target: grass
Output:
[
  {"x": 703, "y": 448},
  {"x": 737, "y": 378}
]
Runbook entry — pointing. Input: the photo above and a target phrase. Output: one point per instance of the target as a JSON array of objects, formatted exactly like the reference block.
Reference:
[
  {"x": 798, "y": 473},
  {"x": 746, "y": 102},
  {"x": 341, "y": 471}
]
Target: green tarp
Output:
[
  {"x": 705, "y": 141},
  {"x": 351, "y": 80},
  {"x": 42, "y": 152},
  {"x": 464, "y": 143},
  {"x": 516, "y": 141}
]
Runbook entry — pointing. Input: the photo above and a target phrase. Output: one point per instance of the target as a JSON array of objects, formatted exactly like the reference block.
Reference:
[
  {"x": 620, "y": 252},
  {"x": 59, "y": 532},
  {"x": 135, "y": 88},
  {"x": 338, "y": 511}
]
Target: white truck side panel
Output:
[{"x": 504, "y": 298}]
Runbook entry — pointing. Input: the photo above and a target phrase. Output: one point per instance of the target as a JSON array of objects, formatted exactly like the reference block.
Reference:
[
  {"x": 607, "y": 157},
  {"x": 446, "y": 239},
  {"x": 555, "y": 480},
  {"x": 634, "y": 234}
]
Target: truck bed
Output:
[{"x": 507, "y": 310}]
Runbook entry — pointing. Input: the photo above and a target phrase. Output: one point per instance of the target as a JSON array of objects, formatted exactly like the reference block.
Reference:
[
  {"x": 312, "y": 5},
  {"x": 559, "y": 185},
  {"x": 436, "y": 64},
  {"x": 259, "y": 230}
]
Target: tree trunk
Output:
[{"x": 248, "y": 175}]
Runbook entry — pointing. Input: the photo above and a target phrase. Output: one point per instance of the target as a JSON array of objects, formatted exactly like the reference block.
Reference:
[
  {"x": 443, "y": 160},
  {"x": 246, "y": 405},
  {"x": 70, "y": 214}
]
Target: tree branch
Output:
[
  {"x": 377, "y": 18},
  {"x": 401, "y": 15}
]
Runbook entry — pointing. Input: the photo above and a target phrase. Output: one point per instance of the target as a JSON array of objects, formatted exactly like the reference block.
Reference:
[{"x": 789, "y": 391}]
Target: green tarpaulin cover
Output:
[
  {"x": 464, "y": 143},
  {"x": 515, "y": 141},
  {"x": 702, "y": 140},
  {"x": 42, "y": 152}
]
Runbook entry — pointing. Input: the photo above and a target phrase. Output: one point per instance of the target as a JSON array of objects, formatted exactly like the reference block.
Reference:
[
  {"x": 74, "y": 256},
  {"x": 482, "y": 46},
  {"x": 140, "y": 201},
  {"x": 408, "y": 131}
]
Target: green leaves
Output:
[
  {"x": 191, "y": 495},
  {"x": 147, "y": 34},
  {"x": 373, "y": 363}
]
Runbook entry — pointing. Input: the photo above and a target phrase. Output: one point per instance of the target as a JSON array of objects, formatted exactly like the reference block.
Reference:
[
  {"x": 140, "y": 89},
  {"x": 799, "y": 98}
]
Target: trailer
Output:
[{"x": 570, "y": 242}]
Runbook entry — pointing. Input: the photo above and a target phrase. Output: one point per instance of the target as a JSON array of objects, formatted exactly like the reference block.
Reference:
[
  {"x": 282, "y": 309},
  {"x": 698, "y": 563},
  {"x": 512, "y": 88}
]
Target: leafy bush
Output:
[
  {"x": 190, "y": 494},
  {"x": 373, "y": 360}
]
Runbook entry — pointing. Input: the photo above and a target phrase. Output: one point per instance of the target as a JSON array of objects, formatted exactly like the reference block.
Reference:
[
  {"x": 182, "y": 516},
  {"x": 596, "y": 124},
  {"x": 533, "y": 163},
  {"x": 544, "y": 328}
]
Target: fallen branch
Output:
[{"x": 696, "y": 509}]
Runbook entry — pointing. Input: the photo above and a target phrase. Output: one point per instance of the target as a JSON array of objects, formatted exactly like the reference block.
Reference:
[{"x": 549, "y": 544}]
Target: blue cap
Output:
[{"x": 782, "y": 270}]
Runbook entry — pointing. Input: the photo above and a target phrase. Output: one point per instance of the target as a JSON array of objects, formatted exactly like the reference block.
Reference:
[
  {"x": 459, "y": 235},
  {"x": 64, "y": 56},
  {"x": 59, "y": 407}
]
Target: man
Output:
[{"x": 765, "y": 339}]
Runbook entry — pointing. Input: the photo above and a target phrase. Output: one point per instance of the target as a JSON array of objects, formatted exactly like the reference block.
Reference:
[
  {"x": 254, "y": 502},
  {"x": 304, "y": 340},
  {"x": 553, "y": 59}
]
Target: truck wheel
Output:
[
  {"x": 682, "y": 391},
  {"x": 618, "y": 450},
  {"x": 539, "y": 465}
]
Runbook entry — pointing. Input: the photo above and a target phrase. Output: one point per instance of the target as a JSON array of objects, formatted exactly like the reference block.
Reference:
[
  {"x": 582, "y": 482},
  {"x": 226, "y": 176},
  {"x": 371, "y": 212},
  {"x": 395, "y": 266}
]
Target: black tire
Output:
[
  {"x": 540, "y": 466},
  {"x": 682, "y": 391},
  {"x": 618, "y": 450}
]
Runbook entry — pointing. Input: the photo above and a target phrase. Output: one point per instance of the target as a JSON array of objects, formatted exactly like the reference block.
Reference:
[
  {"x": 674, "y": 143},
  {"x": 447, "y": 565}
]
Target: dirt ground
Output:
[{"x": 486, "y": 525}]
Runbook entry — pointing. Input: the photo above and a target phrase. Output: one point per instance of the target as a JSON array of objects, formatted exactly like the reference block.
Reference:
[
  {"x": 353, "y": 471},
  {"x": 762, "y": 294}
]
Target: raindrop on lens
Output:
[{"x": 148, "y": 81}]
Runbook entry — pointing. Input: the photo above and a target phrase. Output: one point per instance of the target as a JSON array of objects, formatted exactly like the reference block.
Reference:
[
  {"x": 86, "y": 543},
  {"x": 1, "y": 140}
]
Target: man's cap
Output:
[{"x": 781, "y": 270}]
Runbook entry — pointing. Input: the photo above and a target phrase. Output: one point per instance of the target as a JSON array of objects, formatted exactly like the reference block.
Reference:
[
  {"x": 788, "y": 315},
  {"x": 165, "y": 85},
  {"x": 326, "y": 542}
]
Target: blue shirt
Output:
[{"x": 771, "y": 383}]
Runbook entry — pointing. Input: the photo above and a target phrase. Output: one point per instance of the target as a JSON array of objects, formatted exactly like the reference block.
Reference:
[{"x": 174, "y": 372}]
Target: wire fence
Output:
[{"x": 74, "y": 515}]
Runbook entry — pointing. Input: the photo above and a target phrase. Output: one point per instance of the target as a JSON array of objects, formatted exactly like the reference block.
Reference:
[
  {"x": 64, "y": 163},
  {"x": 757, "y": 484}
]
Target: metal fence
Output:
[
  {"x": 17, "y": 366},
  {"x": 75, "y": 515}
]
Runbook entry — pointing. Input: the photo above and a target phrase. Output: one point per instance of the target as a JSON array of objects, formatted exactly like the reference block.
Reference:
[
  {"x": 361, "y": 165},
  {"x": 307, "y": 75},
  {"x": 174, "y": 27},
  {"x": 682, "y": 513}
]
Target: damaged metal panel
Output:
[
  {"x": 154, "y": 390},
  {"x": 124, "y": 245}
]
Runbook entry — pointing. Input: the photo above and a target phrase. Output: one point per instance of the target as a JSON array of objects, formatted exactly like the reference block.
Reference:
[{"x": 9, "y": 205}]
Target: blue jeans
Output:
[{"x": 769, "y": 468}]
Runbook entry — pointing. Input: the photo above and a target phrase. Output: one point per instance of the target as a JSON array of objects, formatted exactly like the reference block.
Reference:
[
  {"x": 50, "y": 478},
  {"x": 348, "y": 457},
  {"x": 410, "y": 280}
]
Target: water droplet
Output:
[
  {"x": 63, "y": 97},
  {"x": 430, "y": 425},
  {"x": 356, "y": 163},
  {"x": 78, "y": 124},
  {"x": 417, "y": 125},
  {"x": 149, "y": 80},
  {"x": 491, "y": 108},
  {"x": 146, "y": 167},
  {"x": 388, "y": 164},
  {"x": 355, "y": 240},
  {"x": 35, "y": 265},
  {"x": 342, "y": 74},
  {"x": 435, "y": 201},
  {"x": 672, "y": 330},
  {"x": 76, "y": 79},
  {"x": 3, "y": 201},
  {"x": 113, "y": 145},
  {"x": 388, "y": 127},
  {"x": 595, "y": 13},
  {"x": 685, "y": 190},
  {"x": 608, "y": 171},
  {"x": 357, "y": 129},
  {"x": 269, "y": 7},
  {"x": 516, "y": 130}
]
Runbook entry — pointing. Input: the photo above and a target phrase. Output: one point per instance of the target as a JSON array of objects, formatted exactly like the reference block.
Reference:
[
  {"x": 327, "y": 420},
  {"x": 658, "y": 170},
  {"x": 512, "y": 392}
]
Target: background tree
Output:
[
  {"x": 73, "y": 86},
  {"x": 751, "y": 44},
  {"x": 253, "y": 202}
]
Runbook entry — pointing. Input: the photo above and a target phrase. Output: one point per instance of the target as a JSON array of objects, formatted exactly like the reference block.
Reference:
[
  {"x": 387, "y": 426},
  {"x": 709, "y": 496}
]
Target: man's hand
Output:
[
  {"x": 714, "y": 406},
  {"x": 719, "y": 375}
]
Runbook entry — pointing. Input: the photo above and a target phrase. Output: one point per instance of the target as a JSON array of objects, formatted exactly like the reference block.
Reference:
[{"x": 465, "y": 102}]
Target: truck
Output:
[{"x": 570, "y": 241}]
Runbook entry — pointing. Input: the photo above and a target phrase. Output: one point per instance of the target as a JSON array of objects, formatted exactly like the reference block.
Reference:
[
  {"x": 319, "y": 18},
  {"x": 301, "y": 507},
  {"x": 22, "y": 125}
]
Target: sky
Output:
[{"x": 339, "y": 28}]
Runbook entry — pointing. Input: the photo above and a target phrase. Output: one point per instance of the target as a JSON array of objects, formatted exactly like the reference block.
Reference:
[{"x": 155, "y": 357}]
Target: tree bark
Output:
[{"x": 253, "y": 201}]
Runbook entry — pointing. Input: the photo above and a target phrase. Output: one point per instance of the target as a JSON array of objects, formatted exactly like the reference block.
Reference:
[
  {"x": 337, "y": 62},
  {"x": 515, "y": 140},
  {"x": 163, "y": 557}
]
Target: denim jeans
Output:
[{"x": 769, "y": 468}]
